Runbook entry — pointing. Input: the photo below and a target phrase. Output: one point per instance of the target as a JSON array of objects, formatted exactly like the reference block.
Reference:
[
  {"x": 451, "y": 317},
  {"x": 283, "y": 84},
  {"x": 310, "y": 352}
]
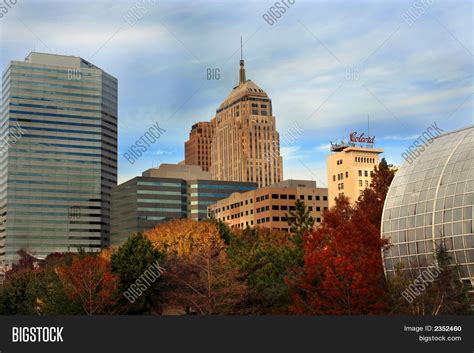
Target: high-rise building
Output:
[
  {"x": 430, "y": 204},
  {"x": 350, "y": 169},
  {"x": 267, "y": 207},
  {"x": 198, "y": 148},
  {"x": 246, "y": 144},
  {"x": 58, "y": 171},
  {"x": 168, "y": 192}
]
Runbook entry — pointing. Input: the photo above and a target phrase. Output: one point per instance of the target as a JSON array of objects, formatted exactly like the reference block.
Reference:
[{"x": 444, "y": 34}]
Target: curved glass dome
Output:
[{"x": 430, "y": 202}]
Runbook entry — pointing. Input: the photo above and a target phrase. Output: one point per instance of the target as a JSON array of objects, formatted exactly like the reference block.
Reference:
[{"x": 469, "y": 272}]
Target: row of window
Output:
[{"x": 364, "y": 160}]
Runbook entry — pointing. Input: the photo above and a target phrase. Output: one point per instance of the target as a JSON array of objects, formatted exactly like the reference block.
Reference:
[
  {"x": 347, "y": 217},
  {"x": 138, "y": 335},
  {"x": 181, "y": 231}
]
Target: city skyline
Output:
[{"x": 308, "y": 62}]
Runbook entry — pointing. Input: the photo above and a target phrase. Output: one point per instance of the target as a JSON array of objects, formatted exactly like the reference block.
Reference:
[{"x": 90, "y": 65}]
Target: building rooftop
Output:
[{"x": 177, "y": 171}]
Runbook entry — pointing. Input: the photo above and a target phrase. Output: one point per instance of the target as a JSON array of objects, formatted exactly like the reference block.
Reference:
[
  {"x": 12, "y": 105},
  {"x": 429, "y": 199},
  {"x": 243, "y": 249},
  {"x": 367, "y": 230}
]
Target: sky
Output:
[{"x": 327, "y": 66}]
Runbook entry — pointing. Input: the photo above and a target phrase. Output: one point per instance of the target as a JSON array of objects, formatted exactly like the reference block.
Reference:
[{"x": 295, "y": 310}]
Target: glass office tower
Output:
[
  {"x": 431, "y": 203},
  {"x": 58, "y": 156}
]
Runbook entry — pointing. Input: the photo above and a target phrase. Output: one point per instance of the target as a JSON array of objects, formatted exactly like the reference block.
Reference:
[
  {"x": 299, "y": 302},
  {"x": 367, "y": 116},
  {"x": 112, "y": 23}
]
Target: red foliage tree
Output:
[
  {"x": 89, "y": 279},
  {"x": 343, "y": 272}
]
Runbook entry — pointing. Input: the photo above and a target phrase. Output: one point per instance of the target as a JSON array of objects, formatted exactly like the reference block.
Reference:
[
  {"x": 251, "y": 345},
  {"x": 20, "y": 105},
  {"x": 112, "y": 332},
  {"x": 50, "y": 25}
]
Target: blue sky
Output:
[{"x": 407, "y": 75}]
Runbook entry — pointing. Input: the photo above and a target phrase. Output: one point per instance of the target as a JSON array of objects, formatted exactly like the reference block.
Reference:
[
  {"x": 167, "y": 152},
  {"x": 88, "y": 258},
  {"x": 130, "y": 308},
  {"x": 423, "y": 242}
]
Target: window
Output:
[
  {"x": 360, "y": 182},
  {"x": 275, "y": 207},
  {"x": 292, "y": 197},
  {"x": 347, "y": 174},
  {"x": 276, "y": 219},
  {"x": 334, "y": 178},
  {"x": 317, "y": 198},
  {"x": 310, "y": 197},
  {"x": 325, "y": 198},
  {"x": 274, "y": 196},
  {"x": 360, "y": 172},
  {"x": 292, "y": 208},
  {"x": 366, "y": 183},
  {"x": 283, "y": 197},
  {"x": 366, "y": 173},
  {"x": 318, "y": 220},
  {"x": 284, "y": 208},
  {"x": 318, "y": 209},
  {"x": 302, "y": 197},
  {"x": 310, "y": 208}
]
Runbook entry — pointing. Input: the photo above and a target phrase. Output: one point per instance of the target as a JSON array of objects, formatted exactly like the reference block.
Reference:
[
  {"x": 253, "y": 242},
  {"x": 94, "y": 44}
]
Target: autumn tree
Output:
[
  {"x": 265, "y": 257},
  {"x": 129, "y": 262},
  {"x": 89, "y": 280},
  {"x": 46, "y": 290},
  {"x": 343, "y": 270},
  {"x": 372, "y": 199},
  {"x": 198, "y": 276}
]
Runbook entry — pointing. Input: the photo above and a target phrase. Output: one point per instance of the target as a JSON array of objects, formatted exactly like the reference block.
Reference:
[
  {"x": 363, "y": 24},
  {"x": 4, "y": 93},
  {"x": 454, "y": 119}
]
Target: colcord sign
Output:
[{"x": 361, "y": 138}]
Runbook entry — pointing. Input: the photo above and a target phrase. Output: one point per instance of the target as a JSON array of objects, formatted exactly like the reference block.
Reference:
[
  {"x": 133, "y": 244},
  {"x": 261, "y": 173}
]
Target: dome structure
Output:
[{"x": 431, "y": 202}]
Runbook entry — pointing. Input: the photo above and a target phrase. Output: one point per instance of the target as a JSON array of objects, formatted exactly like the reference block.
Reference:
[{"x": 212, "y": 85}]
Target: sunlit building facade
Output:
[
  {"x": 246, "y": 144},
  {"x": 349, "y": 170},
  {"x": 197, "y": 149},
  {"x": 267, "y": 207}
]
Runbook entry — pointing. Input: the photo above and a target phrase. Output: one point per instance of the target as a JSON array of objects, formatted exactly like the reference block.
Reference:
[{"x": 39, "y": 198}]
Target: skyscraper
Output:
[
  {"x": 246, "y": 144},
  {"x": 58, "y": 172},
  {"x": 198, "y": 148}
]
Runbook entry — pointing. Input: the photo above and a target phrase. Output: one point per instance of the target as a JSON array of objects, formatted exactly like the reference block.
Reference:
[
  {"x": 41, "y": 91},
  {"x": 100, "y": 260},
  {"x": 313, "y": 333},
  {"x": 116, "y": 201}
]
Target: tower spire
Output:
[{"x": 242, "y": 68}]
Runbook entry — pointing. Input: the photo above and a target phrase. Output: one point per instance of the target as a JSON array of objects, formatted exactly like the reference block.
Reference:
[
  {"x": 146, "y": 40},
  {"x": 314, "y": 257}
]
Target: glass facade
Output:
[
  {"x": 430, "y": 202},
  {"x": 57, "y": 173},
  {"x": 141, "y": 203}
]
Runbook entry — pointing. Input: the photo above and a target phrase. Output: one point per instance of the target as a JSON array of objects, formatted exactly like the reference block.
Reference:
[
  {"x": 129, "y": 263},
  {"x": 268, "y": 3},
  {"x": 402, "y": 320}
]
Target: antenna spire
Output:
[
  {"x": 241, "y": 49},
  {"x": 242, "y": 68}
]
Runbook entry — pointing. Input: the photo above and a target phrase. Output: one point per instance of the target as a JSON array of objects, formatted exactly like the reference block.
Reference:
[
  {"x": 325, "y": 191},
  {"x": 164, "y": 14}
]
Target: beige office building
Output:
[
  {"x": 198, "y": 147},
  {"x": 246, "y": 145},
  {"x": 349, "y": 170},
  {"x": 267, "y": 207}
]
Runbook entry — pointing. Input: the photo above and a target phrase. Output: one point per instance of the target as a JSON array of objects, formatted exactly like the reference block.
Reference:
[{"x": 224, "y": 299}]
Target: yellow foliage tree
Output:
[
  {"x": 198, "y": 275},
  {"x": 184, "y": 238}
]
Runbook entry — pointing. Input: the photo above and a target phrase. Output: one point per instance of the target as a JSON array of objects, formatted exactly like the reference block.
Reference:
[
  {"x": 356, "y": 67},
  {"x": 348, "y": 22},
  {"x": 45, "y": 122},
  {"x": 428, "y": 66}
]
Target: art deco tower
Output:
[{"x": 246, "y": 145}]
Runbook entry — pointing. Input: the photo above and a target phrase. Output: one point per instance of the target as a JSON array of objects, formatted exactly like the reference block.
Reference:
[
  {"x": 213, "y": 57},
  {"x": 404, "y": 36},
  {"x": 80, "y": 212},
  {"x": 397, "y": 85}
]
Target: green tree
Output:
[
  {"x": 413, "y": 292},
  {"x": 129, "y": 262},
  {"x": 14, "y": 299},
  {"x": 46, "y": 291},
  {"x": 265, "y": 257},
  {"x": 300, "y": 220},
  {"x": 224, "y": 230}
]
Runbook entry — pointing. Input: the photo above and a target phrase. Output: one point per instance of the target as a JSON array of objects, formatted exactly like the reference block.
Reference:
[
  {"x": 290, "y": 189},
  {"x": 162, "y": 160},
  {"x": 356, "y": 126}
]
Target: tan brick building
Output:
[
  {"x": 349, "y": 170},
  {"x": 246, "y": 144},
  {"x": 198, "y": 148},
  {"x": 266, "y": 207}
]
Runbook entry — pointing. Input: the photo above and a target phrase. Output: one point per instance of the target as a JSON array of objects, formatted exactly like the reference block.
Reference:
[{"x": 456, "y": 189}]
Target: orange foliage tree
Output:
[
  {"x": 198, "y": 276},
  {"x": 89, "y": 280},
  {"x": 343, "y": 270}
]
